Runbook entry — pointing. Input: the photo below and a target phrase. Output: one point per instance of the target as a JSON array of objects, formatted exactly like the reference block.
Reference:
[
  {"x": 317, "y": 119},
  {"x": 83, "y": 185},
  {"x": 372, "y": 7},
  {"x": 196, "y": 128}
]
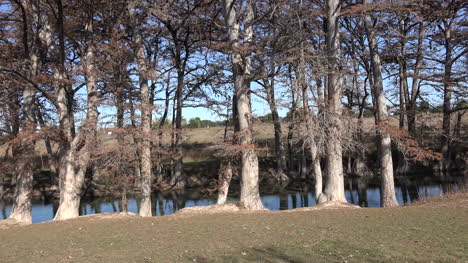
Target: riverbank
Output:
[{"x": 433, "y": 230}]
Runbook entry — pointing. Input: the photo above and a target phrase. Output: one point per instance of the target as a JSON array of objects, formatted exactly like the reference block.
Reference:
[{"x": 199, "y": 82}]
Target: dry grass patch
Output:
[{"x": 405, "y": 234}]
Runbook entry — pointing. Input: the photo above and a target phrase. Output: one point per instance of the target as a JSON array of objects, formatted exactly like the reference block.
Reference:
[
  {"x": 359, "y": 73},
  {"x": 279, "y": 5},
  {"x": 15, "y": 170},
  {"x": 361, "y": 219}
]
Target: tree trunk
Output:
[
  {"x": 146, "y": 109},
  {"x": 119, "y": 102},
  {"x": 71, "y": 181},
  {"x": 21, "y": 210},
  {"x": 178, "y": 180},
  {"x": 280, "y": 156},
  {"x": 317, "y": 171},
  {"x": 124, "y": 202},
  {"x": 225, "y": 176},
  {"x": 250, "y": 196},
  {"x": 134, "y": 138},
  {"x": 334, "y": 185},
  {"x": 403, "y": 81},
  {"x": 447, "y": 106},
  {"x": 388, "y": 197},
  {"x": 76, "y": 156},
  {"x": 292, "y": 128},
  {"x": 458, "y": 125}
]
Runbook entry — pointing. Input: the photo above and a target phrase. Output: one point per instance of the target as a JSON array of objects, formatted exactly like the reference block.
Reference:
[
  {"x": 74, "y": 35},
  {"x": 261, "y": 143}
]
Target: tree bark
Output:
[
  {"x": 21, "y": 210},
  {"x": 334, "y": 185},
  {"x": 281, "y": 164},
  {"x": 317, "y": 170},
  {"x": 250, "y": 196},
  {"x": 447, "y": 106},
  {"x": 145, "y": 149},
  {"x": 76, "y": 156},
  {"x": 403, "y": 81},
  {"x": 178, "y": 180},
  {"x": 411, "y": 103},
  {"x": 225, "y": 176},
  {"x": 388, "y": 197}
]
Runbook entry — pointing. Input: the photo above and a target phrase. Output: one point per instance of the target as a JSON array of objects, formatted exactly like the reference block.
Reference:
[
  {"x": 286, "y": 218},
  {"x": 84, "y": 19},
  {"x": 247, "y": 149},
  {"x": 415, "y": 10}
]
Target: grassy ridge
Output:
[{"x": 435, "y": 231}]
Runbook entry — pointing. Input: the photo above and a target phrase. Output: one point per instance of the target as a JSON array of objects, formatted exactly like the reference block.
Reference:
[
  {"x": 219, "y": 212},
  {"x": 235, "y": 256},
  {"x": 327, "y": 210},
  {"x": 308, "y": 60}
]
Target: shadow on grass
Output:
[{"x": 249, "y": 255}]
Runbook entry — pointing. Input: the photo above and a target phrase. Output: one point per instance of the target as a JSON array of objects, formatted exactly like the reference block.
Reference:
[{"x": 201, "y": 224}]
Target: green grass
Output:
[{"x": 434, "y": 231}]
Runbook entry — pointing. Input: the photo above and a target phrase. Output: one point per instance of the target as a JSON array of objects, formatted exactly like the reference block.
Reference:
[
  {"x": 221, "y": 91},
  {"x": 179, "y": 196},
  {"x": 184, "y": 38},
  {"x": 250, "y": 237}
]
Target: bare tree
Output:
[
  {"x": 334, "y": 184},
  {"x": 240, "y": 59},
  {"x": 388, "y": 196},
  {"x": 75, "y": 157},
  {"x": 146, "y": 109}
]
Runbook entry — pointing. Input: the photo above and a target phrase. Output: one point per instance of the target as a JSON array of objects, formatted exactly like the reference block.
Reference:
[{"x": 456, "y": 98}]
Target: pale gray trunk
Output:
[
  {"x": 146, "y": 109},
  {"x": 76, "y": 157},
  {"x": 21, "y": 210},
  {"x": 250, "y": 196},
  {"x": 124, "y": 202},
  {"x": 388, "y": 197},
  {"x": 71, "y": 182},
  {"x": 224, "y": 180},
  {"x": 317, "y": 171},
  {"x": 334, "y": 185},
  {"x": 280, "y": 155}
]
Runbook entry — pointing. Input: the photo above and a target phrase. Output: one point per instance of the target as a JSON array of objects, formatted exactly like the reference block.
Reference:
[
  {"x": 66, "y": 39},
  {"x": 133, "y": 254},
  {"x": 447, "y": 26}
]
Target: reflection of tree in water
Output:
[
  {"x": 305, "y": 199},
  {"x": 114, "y": 207},
  {"x": 294, "y": 200},
  {"x": 82, "y": 209},
  {"x": 283, "y": 200},
  {"x": 178, "y": 200},
  {"x": 413, "y": 191},
  {"x": 159, "y": 202},
  {"x": 305, "y": 196},
  {"x": 404, "y": 193},
  {"x": 447, "y": 188},
  {"x": 362, "y": 186},
  {"x": 351, "y": 194},
  {"x": 96, "y": 205},
  {"x": 3, "y": 209}
]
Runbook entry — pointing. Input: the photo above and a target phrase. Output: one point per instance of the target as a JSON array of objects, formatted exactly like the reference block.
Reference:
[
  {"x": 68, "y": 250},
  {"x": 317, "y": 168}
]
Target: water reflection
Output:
[{"x": 364, "y": 192}]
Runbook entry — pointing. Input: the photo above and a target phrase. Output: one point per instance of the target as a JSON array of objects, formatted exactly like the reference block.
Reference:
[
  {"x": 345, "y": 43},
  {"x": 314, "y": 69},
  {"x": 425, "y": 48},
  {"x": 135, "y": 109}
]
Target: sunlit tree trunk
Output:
[
  {"x": 21, "y": 210},
  {"x": 145, "y": 149},
  {"x": 388, "y": 197},
  {"x": 225, "y": 176},
  {"x": 317, "y": 170},
  {"x": 250, "y": 196},
  {"x": 334, "y": 184},
  {"x": 75, "y": 158}
]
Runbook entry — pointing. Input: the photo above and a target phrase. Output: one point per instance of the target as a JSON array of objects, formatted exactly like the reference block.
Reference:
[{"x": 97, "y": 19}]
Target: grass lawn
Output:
[{"x": 435, "y": 230}]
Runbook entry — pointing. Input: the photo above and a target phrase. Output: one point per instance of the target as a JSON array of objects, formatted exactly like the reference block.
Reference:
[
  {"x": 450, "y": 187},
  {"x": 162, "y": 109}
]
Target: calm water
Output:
[{"x": 361, "y": 191}]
